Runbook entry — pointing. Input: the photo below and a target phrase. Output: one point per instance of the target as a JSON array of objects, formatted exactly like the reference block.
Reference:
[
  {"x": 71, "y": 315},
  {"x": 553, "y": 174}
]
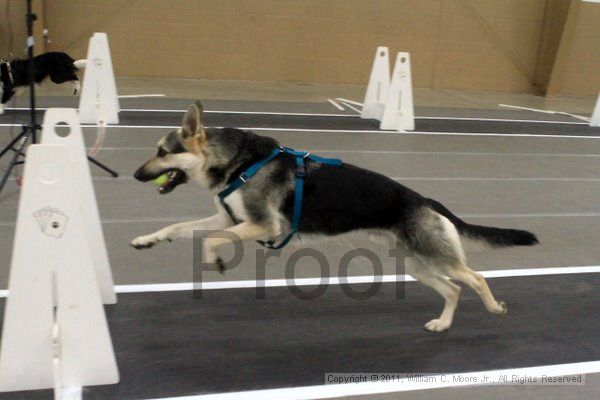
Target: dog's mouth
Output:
[{"x": 175, "y": 178}]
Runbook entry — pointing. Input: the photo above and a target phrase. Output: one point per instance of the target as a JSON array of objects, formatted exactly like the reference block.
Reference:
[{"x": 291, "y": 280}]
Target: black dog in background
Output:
[{"x": 57, "y": 66}]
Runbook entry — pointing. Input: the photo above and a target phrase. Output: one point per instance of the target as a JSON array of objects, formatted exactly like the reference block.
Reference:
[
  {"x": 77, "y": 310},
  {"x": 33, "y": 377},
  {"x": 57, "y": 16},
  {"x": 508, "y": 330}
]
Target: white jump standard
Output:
[
  {"x": 59, "y": 275},
  {"x": 379, "y": 85},
  {"x": 595, "y": 120},
  {"x": 390, "y": 103},
  {"x": 99, "y": 100}
]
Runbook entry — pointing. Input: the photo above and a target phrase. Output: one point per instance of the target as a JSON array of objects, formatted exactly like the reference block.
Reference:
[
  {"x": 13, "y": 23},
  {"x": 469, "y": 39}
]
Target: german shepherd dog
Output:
[
  {"x": 337, "y": 199},
  {"x": 57, "y": 66}
]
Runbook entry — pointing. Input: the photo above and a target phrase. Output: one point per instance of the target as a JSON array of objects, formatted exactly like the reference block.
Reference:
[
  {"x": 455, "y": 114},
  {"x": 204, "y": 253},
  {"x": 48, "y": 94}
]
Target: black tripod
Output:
[{"x": 17, "y": 145}]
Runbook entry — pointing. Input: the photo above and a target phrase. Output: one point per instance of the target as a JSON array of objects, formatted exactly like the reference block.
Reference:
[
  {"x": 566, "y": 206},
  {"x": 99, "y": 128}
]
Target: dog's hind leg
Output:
[
  {"x": 477, "y": 282},
  {"x": 448, "y": 290},
  {"x": 437, "y": 236}
]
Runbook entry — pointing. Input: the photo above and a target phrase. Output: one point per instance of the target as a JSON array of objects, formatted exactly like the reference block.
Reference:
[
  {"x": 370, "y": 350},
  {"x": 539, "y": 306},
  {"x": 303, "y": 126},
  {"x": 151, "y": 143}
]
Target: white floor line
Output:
[
  {"x": 299, "y": 114},
  {"x": 335, "y": 115},
  {"x": 110, "y": 221},
  {"x": 528, "y": 121},
  {"x": 476, "y": 179},
  {"x": 350, "y": 106},
  {"x": 582, "y": 118},
  {"x": 356, "y": 103},
  {"x": 401, "y": 179},
  {"x": 166, "y": 220},
  {"x": 335, "y": 104},
  {"x": 246, "y": 284},
  {"x": 416, "y": 178},
  {"x": 402, "y": 385},
  {"x": 399, "y": 152},
  {"x": 113, "y": 126},
  {"x": 137, "y": 96},
  {"x": 296, "y": 130},
  {"x": 453, "y": 153},
  {"x": 534, "y": 215},
  {"x": 519, "y": 135},
  {"x": 299, "y": 130}
]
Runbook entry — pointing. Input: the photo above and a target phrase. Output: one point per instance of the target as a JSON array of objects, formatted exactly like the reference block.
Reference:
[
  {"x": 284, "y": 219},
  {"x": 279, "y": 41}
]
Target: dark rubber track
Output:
[
  {"x": 137, "y": 118},
  {"x": 171, "y": 344}
]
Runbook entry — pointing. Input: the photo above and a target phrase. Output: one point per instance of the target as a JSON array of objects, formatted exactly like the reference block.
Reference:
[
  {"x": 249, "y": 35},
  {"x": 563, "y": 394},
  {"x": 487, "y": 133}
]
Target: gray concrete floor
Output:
[{"x": 546, "y": 185}]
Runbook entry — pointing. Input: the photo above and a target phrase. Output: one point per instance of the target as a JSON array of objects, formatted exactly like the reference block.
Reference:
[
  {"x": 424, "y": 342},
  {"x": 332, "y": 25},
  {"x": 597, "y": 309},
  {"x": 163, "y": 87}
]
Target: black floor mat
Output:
[{"x": 172, "y": 344}]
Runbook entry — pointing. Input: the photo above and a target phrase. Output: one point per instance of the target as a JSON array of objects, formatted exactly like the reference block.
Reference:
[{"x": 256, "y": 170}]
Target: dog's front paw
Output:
[
  {"x": 217, "y": 265},
  {"x": 76, "y": 88},
  {"x": 145, "y": 242},
  {"x": 501, "y": 308},
  {"x": 1, "y": 109},
  {"x": 437, "y": 325},
  {"x": 211, "y": 258}
]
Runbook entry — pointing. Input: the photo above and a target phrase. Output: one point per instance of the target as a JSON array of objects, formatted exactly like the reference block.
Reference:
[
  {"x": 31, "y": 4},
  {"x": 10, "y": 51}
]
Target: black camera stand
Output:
[{"x": 29, "y": 131}]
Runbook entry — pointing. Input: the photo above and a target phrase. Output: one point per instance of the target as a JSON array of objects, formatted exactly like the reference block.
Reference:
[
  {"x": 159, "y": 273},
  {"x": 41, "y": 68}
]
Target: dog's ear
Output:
[
  {"x": 200, "y": 107},
  {"x": 192, "y": 120}
]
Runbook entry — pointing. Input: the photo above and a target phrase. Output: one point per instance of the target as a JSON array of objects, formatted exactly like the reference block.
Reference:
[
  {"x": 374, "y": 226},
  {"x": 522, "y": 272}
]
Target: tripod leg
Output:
[
  {"x": 13, "y": 162},
  {"x": 11, "y": 144},
  {"x": 104, "y": 167}
]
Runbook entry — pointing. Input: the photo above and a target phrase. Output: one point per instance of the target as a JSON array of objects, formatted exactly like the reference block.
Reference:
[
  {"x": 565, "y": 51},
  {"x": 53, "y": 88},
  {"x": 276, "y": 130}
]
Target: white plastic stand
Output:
[
  {"x": 399, "y": 111},
  {"x": 99, "y": 88},
  {"x": 85, "y": 191},
  {"x": 55, "y": 333},
  {"x": 595, "y": 120},
  {"x": 379, "y": 84}
]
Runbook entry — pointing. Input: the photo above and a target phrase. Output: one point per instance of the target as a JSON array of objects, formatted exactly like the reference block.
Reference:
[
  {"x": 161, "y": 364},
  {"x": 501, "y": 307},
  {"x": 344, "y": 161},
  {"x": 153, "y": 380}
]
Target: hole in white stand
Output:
[{"x": 62, "y": 129}]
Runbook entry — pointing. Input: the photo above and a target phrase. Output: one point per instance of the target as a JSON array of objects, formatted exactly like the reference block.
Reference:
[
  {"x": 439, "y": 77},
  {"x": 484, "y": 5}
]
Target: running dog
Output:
[
  {"x": 59, "y": 67},
  {"x": 337, "y": 199}
]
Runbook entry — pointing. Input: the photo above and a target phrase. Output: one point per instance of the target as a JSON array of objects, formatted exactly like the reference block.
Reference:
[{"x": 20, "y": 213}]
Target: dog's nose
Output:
[{"x": 140, "y": 175}]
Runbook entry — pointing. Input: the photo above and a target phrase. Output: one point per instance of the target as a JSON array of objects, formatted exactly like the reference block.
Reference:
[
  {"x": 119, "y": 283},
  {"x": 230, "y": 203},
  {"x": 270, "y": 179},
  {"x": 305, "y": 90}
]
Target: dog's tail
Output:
[
  {"x": 474, "y": 235},
  {"x": 80, "y": 64}
]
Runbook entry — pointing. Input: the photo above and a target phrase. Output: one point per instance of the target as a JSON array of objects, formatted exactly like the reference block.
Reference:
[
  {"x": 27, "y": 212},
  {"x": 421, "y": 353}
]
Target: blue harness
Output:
[{"x": 245, "y": 176}]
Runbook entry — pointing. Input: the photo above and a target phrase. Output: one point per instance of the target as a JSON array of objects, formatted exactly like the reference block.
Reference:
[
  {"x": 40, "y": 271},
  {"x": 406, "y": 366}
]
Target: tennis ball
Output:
[{"x": 161, "y": 180}]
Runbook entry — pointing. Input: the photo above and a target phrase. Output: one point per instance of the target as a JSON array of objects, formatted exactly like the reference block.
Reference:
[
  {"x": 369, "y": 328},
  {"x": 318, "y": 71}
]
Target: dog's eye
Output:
[{"x": 161, "y": 152}]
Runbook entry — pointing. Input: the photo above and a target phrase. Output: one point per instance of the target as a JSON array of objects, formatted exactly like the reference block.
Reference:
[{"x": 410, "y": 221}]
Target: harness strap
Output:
[
  {"x": 298, "y": 196},
  {"x": 249, "y": 173},
  {"x": 300, "y": 157}
]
